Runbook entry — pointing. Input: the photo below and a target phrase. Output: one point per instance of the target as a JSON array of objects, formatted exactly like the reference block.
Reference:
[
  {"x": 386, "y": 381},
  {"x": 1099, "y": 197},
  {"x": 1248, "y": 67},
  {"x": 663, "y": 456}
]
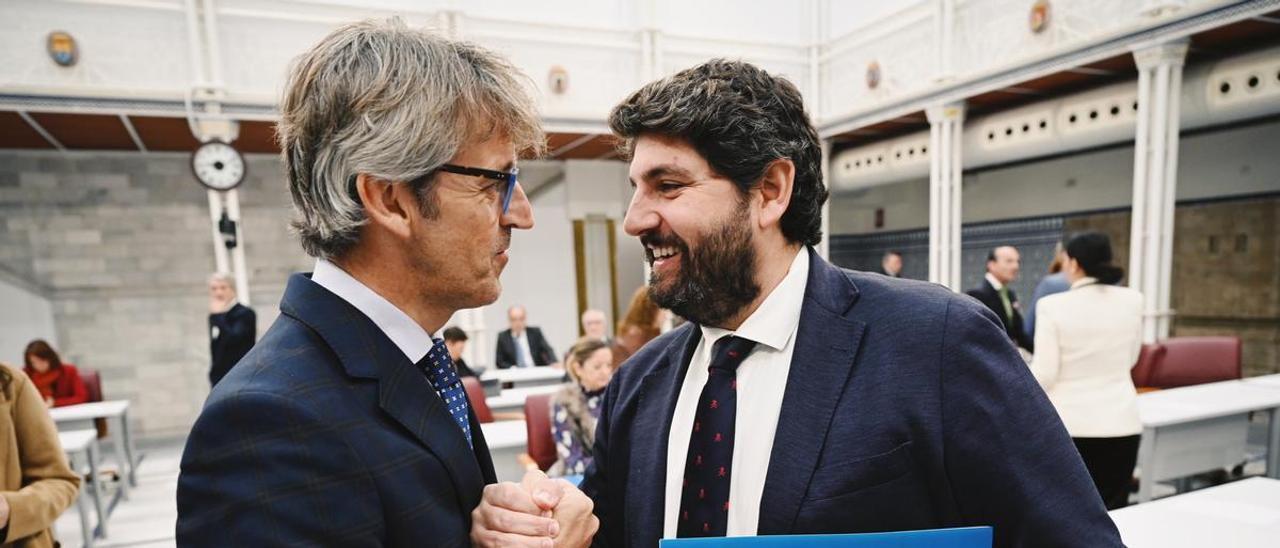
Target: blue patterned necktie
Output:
[
  {"x": 704, "y": 499},
  {"x": 438, "y": 367}
]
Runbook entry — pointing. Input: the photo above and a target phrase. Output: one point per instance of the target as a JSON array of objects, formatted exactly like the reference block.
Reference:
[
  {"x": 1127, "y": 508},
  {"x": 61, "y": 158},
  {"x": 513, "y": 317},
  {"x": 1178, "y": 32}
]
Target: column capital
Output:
[
  {"x": 1168, "y": 53},
  {"x": 946, "y": 112}
]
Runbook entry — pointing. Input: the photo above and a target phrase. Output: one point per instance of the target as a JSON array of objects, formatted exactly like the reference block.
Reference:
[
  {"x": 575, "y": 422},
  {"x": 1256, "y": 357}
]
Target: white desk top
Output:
[
  {"x": 77, "y": 440},
  {"x": 1269, "y": 381},
  {"x": 505, "y": 434},
  {"x": 1242, "y": 514},
  {"x": 513, "y": 398},
  {"x": 86, "y": 411},
  {"x": 1204, "y": 401},
  {"x": 519, "y": 375}
]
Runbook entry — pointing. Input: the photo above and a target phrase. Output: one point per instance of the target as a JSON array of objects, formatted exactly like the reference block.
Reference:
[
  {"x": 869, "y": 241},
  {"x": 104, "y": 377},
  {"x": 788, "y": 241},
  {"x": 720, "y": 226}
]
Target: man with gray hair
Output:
[
  {"x": 232, "y": 326},
  {"x": 347, "y": 425}
]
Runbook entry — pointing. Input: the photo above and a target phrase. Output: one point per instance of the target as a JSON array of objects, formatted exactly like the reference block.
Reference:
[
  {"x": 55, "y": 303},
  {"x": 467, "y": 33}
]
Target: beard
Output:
[{"x": 715, "y": 281}]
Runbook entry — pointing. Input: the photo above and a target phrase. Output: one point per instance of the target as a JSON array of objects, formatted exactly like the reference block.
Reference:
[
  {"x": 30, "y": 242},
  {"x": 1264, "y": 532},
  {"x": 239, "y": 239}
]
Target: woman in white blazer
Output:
[{"x": 1087, "y": 339}]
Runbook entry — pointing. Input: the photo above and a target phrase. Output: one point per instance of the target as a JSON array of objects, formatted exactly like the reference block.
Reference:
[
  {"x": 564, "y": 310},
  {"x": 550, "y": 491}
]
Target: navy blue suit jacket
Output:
[
  {"x": 906, "y": 407},
  {"x": 325, "y": 434}
]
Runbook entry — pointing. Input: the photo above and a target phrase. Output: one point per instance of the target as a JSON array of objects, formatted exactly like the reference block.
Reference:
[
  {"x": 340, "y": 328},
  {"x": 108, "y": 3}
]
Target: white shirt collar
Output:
[
  {"x": 994, "y": 282},
  {"x": 407, "y": 335},
  {"x": 773, "y": 323},
  {"x": 1084, "y": 281}
]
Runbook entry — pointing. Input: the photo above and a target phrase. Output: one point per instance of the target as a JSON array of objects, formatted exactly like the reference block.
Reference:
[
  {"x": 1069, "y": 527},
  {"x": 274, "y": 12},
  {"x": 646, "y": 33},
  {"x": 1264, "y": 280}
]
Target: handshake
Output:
[{"x": 539, "y": 511}]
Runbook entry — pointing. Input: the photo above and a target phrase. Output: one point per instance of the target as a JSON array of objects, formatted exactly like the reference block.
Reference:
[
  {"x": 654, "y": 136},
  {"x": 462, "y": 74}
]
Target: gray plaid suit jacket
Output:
[{"x": 325, "y": 434}]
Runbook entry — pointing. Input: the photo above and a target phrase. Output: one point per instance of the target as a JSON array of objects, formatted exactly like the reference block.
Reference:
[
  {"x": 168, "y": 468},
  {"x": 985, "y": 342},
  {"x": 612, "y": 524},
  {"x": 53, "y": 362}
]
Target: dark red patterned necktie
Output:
[{"x": 704, "y": 499}]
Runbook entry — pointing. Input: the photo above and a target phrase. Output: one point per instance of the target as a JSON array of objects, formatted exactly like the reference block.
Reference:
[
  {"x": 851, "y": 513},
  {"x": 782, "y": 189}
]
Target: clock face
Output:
[{"x": 218, "y": 166}]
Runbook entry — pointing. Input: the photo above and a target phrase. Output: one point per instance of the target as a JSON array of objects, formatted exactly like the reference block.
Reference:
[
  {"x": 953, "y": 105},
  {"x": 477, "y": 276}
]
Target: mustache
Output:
[{"x": 504, "y": 241}]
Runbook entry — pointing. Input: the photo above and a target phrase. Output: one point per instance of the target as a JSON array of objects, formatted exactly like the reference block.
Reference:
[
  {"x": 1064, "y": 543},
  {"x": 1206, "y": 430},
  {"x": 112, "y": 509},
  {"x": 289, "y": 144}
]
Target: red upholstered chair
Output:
[
  {"x": 93, "y": 386},
  {"x": 1148, "y": 358},
  {"x": 1197, "y": 360},
  {"x": 541, "y": 446},
  {"x": 475, "y": 393}
]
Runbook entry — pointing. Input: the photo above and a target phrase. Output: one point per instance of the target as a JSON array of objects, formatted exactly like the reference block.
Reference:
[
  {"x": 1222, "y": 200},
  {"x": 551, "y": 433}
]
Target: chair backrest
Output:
[
  {"x": 93, "y": 387},
  {"x": 475, "y": 393},
  {"x": 1148, "y": 359},
  {"x": 1197, "y": 360},
  {"x": 92, "y": 383},
  {"x": 537, "y": 423}
]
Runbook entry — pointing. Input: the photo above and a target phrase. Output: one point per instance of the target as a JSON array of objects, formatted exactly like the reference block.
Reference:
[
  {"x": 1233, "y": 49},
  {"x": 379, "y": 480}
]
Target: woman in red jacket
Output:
[{"x": 59, "y": 383}]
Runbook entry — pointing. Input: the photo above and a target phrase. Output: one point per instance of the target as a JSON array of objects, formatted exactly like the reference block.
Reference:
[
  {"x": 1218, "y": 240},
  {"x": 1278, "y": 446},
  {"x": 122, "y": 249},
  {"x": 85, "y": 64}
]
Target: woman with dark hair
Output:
[
  {"x": 575, "y": 408},
  {"x": 1087, "y": 340},
  {"x": 58, "y": 382},
  {"x": 37, "y": 483}
]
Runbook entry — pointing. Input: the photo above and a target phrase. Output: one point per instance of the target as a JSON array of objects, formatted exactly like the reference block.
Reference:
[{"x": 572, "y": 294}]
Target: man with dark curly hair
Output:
[{"x": 803, "y": 398}]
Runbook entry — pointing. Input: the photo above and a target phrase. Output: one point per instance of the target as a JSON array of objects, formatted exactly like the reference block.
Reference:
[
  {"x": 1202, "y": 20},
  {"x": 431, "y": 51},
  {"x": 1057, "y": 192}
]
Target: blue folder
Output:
[{"x": 962, "y": 537}]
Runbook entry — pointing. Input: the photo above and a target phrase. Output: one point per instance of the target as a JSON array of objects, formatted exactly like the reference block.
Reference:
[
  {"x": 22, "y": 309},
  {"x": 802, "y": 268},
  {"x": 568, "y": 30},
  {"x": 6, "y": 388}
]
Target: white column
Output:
[
  {"x": 945, "y": 127},
  {"x": 237, "y": 254},
  {"x": 1155, "y": 182}
]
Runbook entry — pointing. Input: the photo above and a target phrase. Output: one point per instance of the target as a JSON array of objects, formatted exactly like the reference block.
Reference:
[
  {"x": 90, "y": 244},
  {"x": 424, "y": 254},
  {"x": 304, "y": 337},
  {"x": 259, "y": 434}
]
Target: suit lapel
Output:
[
  {"x": 821, "y": 365},
  {"x": 404, "y": 393},
  {"x": 656, "y": 402}
]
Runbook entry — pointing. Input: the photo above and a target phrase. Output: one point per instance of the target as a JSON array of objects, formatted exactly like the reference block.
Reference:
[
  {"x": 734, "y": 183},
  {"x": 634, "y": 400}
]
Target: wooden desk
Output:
[
  {"x": 117, "y": 410},
  {"x": 1199, "y": 428},
  {"x": 81, "y": 446},
  {"x": 1243, "y": 514}
]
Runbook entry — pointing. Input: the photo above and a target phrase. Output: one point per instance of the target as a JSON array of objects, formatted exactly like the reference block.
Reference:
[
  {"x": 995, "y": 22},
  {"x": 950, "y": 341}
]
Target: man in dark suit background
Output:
[
  {"x": 522, "y": 345},
  {"x": 802, "y": 398},
  {"x": 347, "y": 425},
  {"x": 232, "y": 326},
  {"x": 1003, "y": 264}
]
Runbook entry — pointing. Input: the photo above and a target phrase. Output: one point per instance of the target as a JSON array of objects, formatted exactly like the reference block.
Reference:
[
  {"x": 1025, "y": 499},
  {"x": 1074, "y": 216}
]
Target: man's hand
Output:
[
  {"x": 508, "y": 505},
  {"x": 509, "y": 516}
]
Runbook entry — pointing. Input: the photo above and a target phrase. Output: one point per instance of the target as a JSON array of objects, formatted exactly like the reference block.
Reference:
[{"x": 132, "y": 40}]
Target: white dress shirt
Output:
[
  {"x": 991, "y": 279},
  {"x": 1087, "y": 340},
  {"x": 762, "y": 382},
  {"x": 407, "y": 335}
]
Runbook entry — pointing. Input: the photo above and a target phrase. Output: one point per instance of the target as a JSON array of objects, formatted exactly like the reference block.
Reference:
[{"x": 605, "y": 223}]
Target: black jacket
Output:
[
  {"x": 231, "y": 335},
  {"x": 987, "y": 294},
  {"x": 506, "y": 353}
]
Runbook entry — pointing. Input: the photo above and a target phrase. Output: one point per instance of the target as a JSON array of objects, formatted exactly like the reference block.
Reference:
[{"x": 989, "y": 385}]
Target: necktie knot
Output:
[{"x": 729, "y": 352}]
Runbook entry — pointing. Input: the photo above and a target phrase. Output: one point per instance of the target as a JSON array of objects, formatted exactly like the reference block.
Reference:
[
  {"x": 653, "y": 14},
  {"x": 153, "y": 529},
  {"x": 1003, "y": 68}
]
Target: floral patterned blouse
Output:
[{"x": 567, "y": 429}]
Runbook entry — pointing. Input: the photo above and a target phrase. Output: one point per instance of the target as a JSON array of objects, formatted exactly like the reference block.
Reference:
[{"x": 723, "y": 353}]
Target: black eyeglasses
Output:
[
  {"x": 507, "y": 176},
  {"x": 506, "y": 190}
]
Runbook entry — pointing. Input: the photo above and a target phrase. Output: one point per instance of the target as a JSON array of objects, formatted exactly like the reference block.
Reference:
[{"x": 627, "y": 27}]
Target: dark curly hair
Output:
[{"x": 740, "y": 119}]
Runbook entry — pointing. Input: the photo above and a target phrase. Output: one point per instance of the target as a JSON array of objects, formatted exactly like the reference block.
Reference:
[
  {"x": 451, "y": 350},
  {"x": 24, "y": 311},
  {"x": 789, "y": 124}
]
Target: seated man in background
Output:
[
  {"x": 455, "y": 339},
  {"x": 522, "y": 345},
  {"x": 595, "y": 325},
  {"x": 801, "y": 398}
]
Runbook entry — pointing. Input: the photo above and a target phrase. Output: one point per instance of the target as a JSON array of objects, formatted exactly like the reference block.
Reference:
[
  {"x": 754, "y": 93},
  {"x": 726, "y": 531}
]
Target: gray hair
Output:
[
  {"x": 223, "y": 277},
  {"x": 379, "y": 98}
]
